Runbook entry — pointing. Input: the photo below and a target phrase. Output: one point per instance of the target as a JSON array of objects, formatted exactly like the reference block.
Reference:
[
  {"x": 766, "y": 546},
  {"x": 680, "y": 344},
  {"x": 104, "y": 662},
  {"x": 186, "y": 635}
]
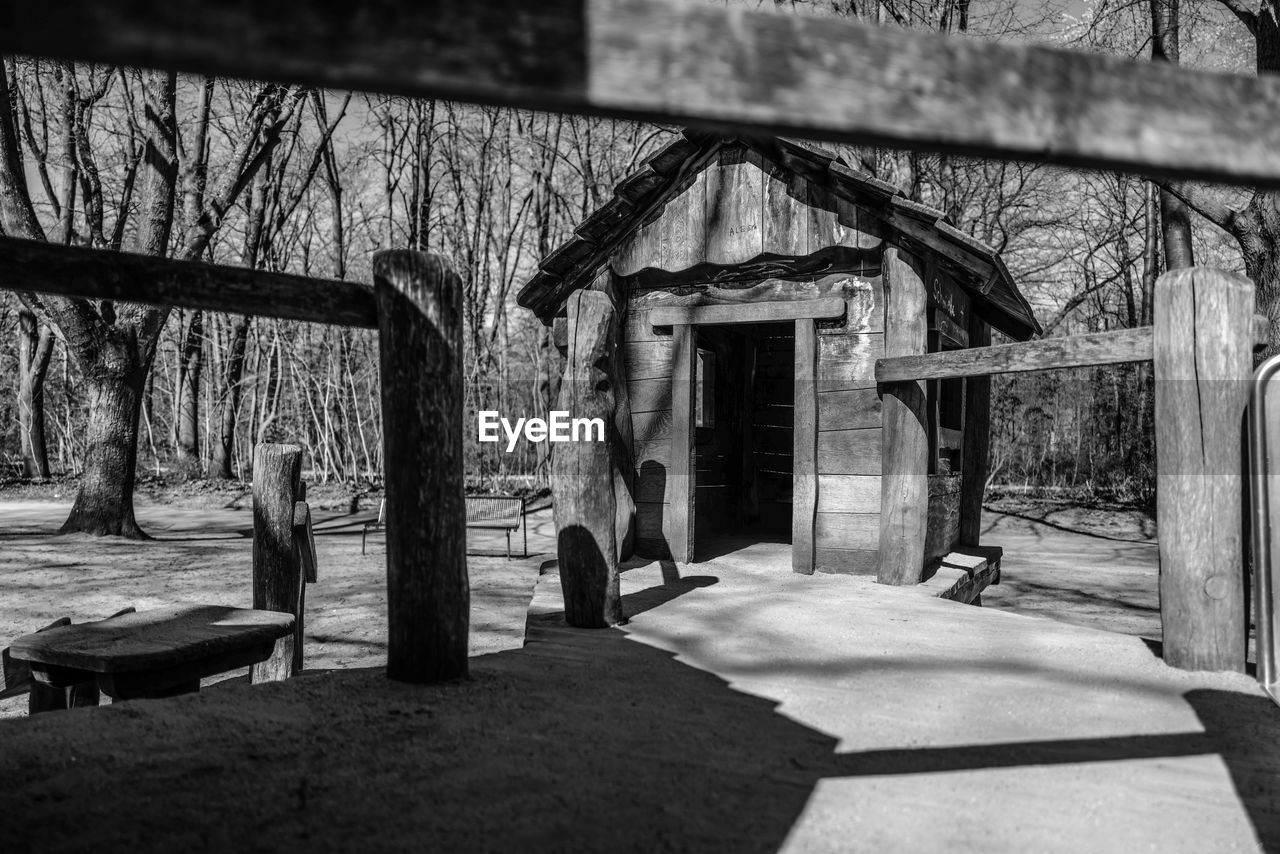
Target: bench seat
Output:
[{"x": 154, "y": 653}]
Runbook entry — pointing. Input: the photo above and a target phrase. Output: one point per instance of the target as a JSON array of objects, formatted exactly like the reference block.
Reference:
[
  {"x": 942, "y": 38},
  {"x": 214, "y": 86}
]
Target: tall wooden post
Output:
[
  {"x": 420, "y": 344},
  {"x": 583, "y": 473},
  {"x": 277, "y": 569},
  {"x": 904, "y": 481},
  {"x": 804, "y": 503},
  {"x": 1203, "y": 340},
  {"x": 977, "y": 440},
  {"x": 678, "y": 524}
]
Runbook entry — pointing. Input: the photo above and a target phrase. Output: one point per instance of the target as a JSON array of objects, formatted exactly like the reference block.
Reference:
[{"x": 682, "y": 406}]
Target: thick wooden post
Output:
[
  {"x": 681, "y": 489},
  {"x": 804, "y": 504},
  {"x": 420, "y": 344},
  {"x": 583, "y": 473},
  {"x": 1203, "y": 341},
  {"x": 277, "y": 570},
  {"x": 977, "y": 440},
  {"x": 904, "y": 482}
]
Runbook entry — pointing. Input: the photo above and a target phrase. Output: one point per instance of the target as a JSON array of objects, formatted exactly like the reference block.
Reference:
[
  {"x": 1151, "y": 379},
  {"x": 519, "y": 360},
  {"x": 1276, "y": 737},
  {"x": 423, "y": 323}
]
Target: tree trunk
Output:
[
  {"x": 1257, "y": 230},
  {"x": 1175, "y": 216},
  {"x": 225, "y": 446},
  {"x": 104, "y": 504},
  {"x": 35, "y": 346},
  {"x": 190, "y": 367}
]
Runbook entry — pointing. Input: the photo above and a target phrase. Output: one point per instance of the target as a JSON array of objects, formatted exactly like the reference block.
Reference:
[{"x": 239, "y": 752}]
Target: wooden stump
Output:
[
  {"x": 583, "y": 480},
  {"x": 420, "y": 342},
  {"x": 1203, "y": 341},
  {"x": 904, "y": 482},
  {"x": 277, "y": 570}
]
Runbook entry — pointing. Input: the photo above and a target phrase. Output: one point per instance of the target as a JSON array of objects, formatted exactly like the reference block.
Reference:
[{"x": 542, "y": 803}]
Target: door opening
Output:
[{"x": 744, "y": 406}]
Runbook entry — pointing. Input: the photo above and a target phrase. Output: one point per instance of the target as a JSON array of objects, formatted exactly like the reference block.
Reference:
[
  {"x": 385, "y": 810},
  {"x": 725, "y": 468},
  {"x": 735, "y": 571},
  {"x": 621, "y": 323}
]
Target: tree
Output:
[
  {"x": 114, "y": 345},
  {"x": 1251, "y": 217}
]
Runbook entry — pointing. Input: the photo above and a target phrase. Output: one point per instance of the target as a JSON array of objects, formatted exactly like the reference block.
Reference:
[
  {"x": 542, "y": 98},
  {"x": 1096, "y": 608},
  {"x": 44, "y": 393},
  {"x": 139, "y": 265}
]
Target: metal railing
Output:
[{"x": 1264, "y": 459}]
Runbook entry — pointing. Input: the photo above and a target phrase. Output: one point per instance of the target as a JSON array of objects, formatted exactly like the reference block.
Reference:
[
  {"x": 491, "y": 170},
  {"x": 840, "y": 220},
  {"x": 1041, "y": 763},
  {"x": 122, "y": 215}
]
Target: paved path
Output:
[
  {"x": 966, "y": 729},
  {"x": 743, "y": 708},
  {"x": 1090, "y": 579}
]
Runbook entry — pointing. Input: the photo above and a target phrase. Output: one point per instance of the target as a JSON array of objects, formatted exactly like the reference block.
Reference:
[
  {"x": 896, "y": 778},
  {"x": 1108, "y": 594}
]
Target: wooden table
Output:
[{"x": 158, "y": 653}]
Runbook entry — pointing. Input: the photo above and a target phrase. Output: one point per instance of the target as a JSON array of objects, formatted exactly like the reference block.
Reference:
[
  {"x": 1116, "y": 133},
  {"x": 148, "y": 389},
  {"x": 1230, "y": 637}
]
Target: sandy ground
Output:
[
  {"x": 204, "y": 555},
  {"x": 743, "y": 708},
  {"x": 1089, "y": 567}
]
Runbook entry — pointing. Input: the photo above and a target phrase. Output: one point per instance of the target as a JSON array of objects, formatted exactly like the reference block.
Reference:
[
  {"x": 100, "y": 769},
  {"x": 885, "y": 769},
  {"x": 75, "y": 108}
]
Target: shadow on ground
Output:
[{"x": 582, "y": 741}]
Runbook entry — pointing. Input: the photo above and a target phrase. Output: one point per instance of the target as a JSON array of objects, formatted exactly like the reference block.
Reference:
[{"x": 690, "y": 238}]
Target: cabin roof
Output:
[{"x": 975, "y": 266}]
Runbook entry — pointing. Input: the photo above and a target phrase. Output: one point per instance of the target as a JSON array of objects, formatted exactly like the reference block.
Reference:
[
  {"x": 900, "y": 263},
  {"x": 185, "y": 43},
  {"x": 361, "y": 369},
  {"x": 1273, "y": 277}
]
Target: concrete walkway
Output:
[
  {"x": 962, "y": 728},
  {"x": 742, "y": 709}
]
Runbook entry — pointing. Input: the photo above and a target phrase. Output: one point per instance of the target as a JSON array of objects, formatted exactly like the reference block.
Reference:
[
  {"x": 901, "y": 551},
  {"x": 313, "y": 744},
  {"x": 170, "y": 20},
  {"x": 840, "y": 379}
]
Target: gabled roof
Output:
[{"x": 641, "y": 195}]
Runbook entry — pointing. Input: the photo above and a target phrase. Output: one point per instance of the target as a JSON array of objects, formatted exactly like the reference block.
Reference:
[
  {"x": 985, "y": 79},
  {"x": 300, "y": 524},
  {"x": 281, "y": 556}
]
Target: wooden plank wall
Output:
[
  {"x": 847, "y": 524},
  {"x": 948, "y": 309},
  {"x": 943, "y": 531},
  {"x": 737, "y": 208}
]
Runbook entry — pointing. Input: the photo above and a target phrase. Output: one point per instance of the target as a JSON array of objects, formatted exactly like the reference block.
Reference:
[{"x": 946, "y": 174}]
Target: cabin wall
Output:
[
  {"x": 847, "y": 525},
  {"x": 948, "y": 308},
  {"x": 943, "y": 531},
  {"x": 730, "y": 214}
]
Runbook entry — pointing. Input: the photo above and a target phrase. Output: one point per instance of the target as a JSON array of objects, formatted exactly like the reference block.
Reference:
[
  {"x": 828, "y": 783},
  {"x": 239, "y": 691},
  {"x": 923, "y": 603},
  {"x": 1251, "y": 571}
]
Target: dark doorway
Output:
[{"x": 743, "y": 413}]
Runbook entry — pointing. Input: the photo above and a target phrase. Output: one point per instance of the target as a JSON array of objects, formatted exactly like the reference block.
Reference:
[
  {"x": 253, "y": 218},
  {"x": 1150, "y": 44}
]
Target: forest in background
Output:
[{"x": 296, "y": 180}]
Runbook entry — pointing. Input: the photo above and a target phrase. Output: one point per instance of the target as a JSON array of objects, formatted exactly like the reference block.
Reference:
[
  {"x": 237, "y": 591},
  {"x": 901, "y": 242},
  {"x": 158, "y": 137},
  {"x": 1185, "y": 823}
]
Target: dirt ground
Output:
[
  {"x": 1089, "y": 566},
  {"x": 734, "y": 713},
  {"x": 202, "y": 553}
]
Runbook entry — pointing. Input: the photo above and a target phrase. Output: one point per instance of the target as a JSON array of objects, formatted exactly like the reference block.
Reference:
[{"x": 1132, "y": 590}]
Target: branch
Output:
[
  {"x": 1220, "y": 205},
  {"x": 266, "y": 123},
  {"x": 1247, "y": 16}
]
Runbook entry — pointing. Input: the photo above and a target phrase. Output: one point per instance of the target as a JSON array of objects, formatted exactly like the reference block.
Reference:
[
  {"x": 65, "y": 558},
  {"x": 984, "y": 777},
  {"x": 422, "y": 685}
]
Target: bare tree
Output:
[{"x": 114, "y": 345}]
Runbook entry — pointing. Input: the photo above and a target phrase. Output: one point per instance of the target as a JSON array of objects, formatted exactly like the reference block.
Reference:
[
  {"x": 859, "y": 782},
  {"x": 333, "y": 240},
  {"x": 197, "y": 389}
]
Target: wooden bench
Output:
[
  {"x": 158, "y": 653},
  {"x": 498, "y": 512},
  {"x": 483, "y": 511}
]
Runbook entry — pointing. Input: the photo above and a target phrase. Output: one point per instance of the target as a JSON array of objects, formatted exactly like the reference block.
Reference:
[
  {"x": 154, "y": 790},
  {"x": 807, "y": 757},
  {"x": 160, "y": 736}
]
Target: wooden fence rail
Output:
[
  {"x": 1201, "y": 348},
  {"x": 75, "y": 271},
  {"x": 733, "y": 68},
  {"x": 1046, "y": 354}
]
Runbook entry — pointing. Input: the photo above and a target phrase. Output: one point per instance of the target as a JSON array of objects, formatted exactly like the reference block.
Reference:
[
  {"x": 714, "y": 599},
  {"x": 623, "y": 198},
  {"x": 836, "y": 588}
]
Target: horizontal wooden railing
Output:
[
  {"x": 693, "y": 63},
  {"x": 102, "y": 274},
  {"x": 1045, "y": 354}
]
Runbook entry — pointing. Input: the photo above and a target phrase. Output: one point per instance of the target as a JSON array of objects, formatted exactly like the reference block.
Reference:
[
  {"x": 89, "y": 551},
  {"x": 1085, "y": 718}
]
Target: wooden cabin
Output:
[{"x": 756, "y": 283}]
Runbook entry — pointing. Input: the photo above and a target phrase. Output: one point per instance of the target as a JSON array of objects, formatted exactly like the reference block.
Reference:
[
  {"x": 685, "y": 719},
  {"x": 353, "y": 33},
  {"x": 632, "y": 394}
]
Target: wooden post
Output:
[
  {"x": 1203, "y": 360},
  {"x": 804, "y": 448},
  {"x": 277, "y": 571},
  {"x": 583, "y": 479},
  {"x": 904, "y": 482},
  {"x": 421, "y": 355},
  {"x": 678, "y": 523},
  {"x": 976, "y": 441}
]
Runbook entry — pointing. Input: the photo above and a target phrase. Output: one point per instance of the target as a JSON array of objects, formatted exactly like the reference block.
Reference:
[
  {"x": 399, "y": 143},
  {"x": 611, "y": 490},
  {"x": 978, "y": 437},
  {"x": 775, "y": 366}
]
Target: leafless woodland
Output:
[{"x": 313, "y": 182}]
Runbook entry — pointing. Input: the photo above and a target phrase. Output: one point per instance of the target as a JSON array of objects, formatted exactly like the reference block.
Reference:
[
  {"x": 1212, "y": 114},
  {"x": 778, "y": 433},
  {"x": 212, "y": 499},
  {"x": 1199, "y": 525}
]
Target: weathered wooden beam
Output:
[
  {"x": 804, "y": 455},
  {"x": 739, "y": 69},
  {"x": 277, "y": 569},
  {"x": 680, "y": 492},
  {"x": 75, "y": 271},
  {"x": 904, "y": 482},
  {"x": 1045, "y": 354},
  {"x": 421, "y": 355},
  {"x": 583, "y": 485},
  {"x": 823, "y": 308},
  {"x": 1203, "y": 363},
  {"x": 977, "y": 440}
]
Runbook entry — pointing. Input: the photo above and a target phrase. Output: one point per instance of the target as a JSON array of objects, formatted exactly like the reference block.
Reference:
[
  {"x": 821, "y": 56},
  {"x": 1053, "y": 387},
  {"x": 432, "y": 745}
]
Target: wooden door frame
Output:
[{"x": 679, "y": 521}]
